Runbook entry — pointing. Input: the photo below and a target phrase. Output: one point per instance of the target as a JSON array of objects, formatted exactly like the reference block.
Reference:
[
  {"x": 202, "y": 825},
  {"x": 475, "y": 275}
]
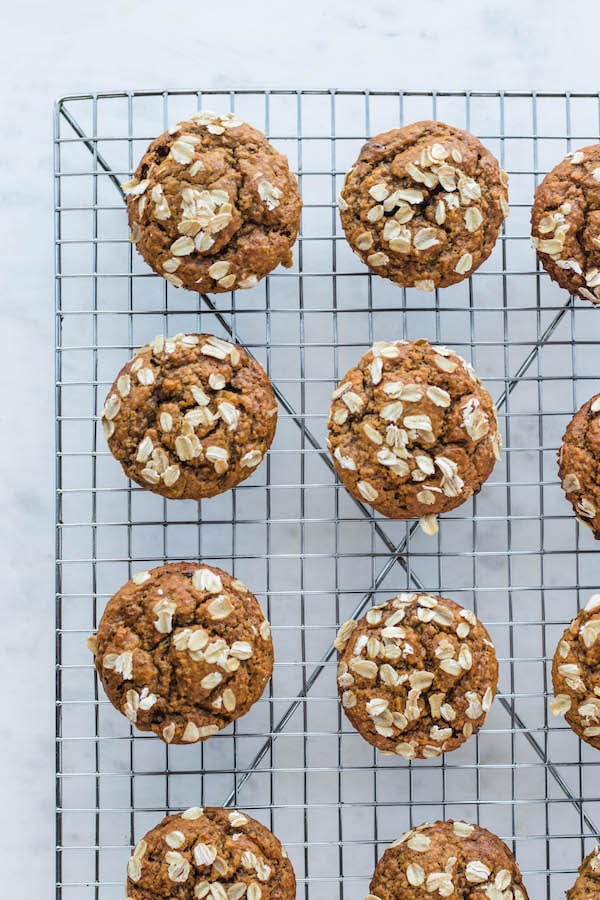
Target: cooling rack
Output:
[{"x": 312, "y": 554}]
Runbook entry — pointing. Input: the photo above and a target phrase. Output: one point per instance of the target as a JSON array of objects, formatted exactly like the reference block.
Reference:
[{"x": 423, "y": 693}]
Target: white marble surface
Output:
[{"x": 51, "y": 49}]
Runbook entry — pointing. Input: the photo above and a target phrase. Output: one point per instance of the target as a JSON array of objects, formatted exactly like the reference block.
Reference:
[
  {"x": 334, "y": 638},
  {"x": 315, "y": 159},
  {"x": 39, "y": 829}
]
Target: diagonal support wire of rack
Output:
[{"x": 397, "y": 552}]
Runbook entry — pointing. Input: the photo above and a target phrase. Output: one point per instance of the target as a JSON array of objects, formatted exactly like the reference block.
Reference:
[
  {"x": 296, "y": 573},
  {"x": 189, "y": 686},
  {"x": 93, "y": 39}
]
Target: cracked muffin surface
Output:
[
  {"x": 565, "y": 223},
  {"x": 190, "y": 416},
  {"x": 579, "y": 464},
  {"x": 182, "y": 650},
  {"x": 221, "y": 854},
  {"x": 448, "y": 859},
  {"x": 412, "y": 430},
  {"x": 416, "y": 675},
  {"x": 576, "y": 674},
  {"x": 212, "y": 205},
  {"x": 587, "y": 885},
  {"x": 423, "y": 204}
]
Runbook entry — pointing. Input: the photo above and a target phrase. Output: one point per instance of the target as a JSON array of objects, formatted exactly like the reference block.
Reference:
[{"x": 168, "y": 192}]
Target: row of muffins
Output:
[
  {"x": 213, "y": 207},
  {"x": 184, "y": 649},
  {"x": 412, "y": 430},
  {"x": 224, "y": 854}
]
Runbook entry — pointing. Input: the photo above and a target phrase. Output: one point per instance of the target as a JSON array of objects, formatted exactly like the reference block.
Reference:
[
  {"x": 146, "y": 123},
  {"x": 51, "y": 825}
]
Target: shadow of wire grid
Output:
[{"x": 311, "y": 553}]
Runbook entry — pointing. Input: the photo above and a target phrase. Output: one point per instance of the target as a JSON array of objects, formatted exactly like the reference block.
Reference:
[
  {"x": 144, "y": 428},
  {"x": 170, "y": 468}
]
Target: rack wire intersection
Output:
[{"x": 312, "y": 554}]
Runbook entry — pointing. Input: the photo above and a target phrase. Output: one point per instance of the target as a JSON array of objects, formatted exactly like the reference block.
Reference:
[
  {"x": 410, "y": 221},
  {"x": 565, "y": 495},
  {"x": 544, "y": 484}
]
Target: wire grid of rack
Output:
[{"x": 312, "y": 554}]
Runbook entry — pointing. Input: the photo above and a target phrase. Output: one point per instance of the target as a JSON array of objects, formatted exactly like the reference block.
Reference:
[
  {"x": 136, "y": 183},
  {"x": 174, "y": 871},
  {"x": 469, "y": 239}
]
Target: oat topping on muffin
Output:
[
  {"x": 447, "y": 859},
  {"x": 212, "y": 205},
  {"x": 576, "y": 674},
  {"x": 183, "y": 650},
  {"x": 587, "y": 886},
  {"x": 423, "y": 204},
  {"x": 579, "y": 464},
  {"x": 416, "y": 675},
  {"x": 190, "y": 416},
  {"x": 213, "y": 853},
  {"x": 412, "y": 431},
  {"x": 565, "y": 222}
]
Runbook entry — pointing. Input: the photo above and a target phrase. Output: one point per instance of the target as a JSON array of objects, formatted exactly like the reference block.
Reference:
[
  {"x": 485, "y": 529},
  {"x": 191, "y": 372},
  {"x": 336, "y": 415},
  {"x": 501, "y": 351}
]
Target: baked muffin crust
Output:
[
  {"x": 213, "y": 205},
  {"x": 412, "y": 431},
  {"x": 416, "y": 675},
  {"x": 213, "y": 853},
  {"x": 565, "y": 223},
  {"x": 576, "y": 674},
  {"x": 423, "y": 204},
  {"x": 190, "y": 416},
  {"x": 183, "y": 650},
  {"x": 587, "y": 886},
  {"x": 448, "y": 859},
  {"x": 579, "y": 464}
]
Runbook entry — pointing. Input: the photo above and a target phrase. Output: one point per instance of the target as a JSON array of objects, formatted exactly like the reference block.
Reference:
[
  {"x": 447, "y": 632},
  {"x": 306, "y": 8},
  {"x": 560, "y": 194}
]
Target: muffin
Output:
[
  {"x": 423, "y": 205},
  {"x": 416, "y": 675},
  {"x": 212, "y": 205},
  {"x": 565, "y": 223},
  {"x": 190, "y": 416},
  {"x": 579, "y": 464},
  {"x": 448, "y": 859},
  {"x": 587, "y": 886},
  {"x": 576, "y": 674},
  {"x": 412, "y": 431},
  {"x": 220, "y": 854},
  {"x": 183, "y": 650}
]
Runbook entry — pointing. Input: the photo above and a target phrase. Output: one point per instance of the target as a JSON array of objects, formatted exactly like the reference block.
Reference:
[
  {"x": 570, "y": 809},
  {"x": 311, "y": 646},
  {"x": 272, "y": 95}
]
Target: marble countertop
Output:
[{"x": 54, "y": 49}]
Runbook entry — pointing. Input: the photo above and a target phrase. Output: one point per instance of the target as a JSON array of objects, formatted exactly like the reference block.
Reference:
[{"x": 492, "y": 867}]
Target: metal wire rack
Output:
[{"x": 312, "y": 554}]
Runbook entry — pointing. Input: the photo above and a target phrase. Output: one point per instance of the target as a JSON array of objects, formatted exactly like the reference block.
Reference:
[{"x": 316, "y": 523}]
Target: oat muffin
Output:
[
  {"x": 565, "y": 223},
  {"x": 579, "y": 464},
  {"x": 576, "y": 674},
  {"x": 183, "y": 650},
  {"x": 423, "y": 205},
  {"x": 416, "y": 675},
  {"x": 221, "y": 854},
  {"x": 447, "y": 859},
  {"x": 412, "y": 430},
  {"x": 587, "y": 886},
  {"x": 190, "y": 416},
  {"x": 212, "y": 205}
]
